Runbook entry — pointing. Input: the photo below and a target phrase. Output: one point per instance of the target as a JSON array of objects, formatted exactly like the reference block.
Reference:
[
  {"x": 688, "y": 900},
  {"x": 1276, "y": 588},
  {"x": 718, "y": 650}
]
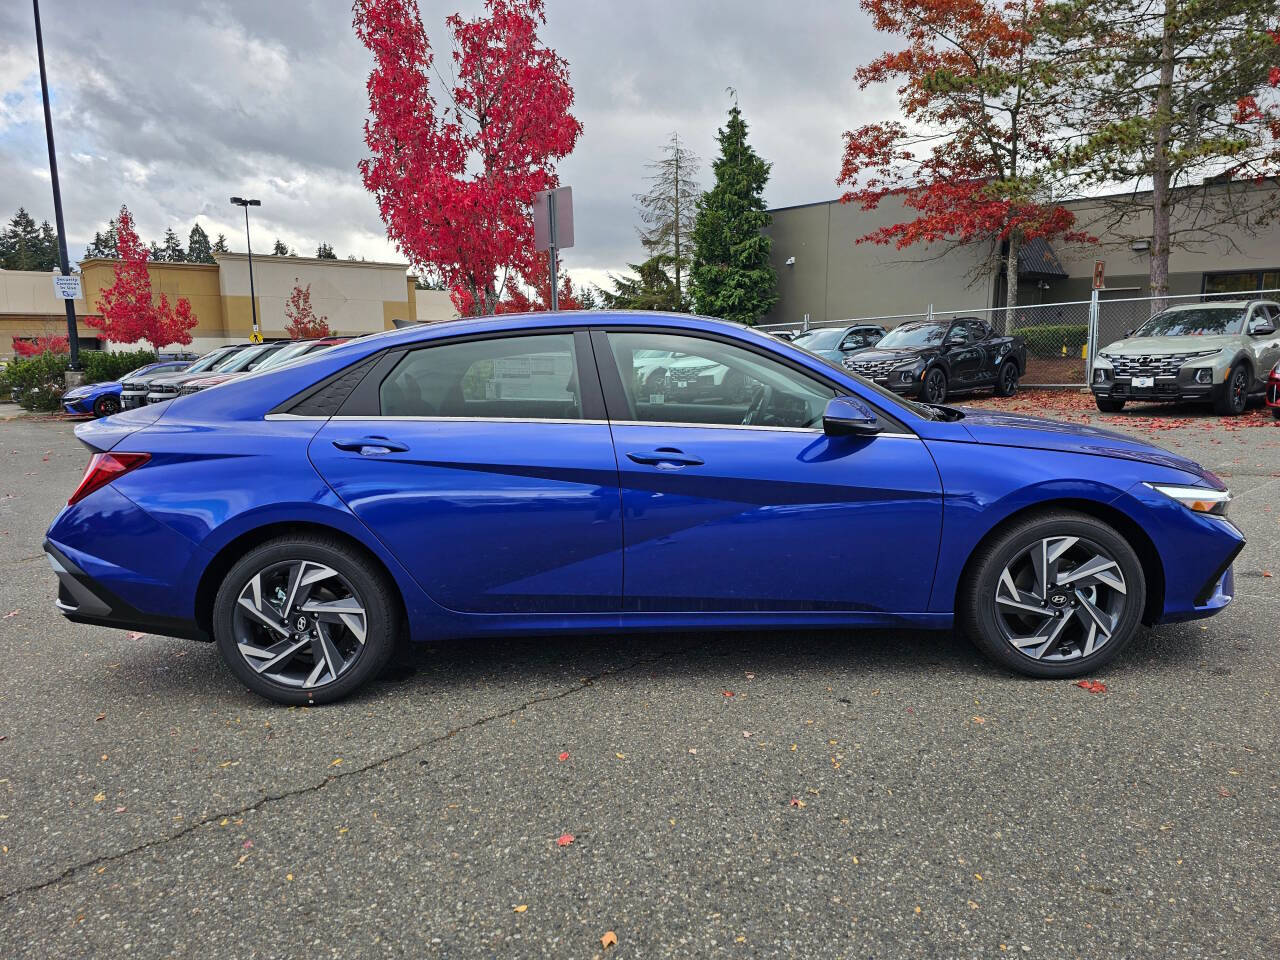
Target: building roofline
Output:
[{"x": 311, "y": 261}]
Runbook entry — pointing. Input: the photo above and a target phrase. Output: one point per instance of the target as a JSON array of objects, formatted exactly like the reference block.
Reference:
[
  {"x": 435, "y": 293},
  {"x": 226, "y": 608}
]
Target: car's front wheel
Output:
[
  {"x": 1056, "y": 595},
  {"x": 305, "y": 619},
  {"x": 1108, "y": 404},
  {"x": 106, "y": 405},
  {"x": 1233, "y": 395}
]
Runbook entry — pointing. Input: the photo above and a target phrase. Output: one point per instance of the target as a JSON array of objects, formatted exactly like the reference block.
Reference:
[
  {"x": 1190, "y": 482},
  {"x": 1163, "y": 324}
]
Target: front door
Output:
[
  {"x": 734, "y": 498},
  {"x": 488, "y": 472},
  {"x": 964, "y": 357}
]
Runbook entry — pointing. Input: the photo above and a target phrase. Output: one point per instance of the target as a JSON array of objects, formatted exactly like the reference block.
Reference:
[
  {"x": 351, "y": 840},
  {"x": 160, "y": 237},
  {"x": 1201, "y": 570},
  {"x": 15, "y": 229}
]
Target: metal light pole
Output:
[
  {"x": 72, "y": 338},
  {"x": 253, "y": 300}
]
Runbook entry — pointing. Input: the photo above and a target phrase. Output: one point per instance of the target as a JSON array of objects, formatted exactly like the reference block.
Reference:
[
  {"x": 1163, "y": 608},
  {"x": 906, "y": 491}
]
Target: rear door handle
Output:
[
  {"x": 371, "y": 446},
  {"x": 665, "y": 457}
]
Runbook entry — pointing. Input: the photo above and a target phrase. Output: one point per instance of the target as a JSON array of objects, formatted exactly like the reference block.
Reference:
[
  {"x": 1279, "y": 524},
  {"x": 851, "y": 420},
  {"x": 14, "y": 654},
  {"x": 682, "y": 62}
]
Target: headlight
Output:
[{"x": 1199, "y": 499}]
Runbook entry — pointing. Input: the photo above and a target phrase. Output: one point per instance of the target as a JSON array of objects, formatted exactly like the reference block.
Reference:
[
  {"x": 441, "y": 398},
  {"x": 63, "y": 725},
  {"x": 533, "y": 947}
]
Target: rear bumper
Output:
[{"x": 82, "y": 599}]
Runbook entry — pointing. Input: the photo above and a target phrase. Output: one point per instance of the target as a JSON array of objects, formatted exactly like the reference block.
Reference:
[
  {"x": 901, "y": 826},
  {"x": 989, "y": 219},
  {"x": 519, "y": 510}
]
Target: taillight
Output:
[{"x": 105, "y": 467}]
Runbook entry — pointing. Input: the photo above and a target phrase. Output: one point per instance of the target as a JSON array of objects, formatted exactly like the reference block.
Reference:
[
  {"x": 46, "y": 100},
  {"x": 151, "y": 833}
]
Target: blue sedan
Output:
[
  {"x": 104, "y": 399},
  {"x": 519, "y": 475}
]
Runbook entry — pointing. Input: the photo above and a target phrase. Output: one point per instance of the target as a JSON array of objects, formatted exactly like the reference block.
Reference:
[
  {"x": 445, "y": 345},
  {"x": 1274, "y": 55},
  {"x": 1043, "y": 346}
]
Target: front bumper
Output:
[
  {"x": 160, "y": 396},
  {"x": 1273, "y": 391},
  {"x": 132, "y": 399},
  {"x": 78, "y": 405},
  {"x": 1189, "y": 383}
]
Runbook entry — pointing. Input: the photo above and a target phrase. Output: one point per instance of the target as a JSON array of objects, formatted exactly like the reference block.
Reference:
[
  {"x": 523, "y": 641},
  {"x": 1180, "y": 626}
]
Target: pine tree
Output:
[
  {"x": 198, "y": 249},
  {"x": 325, "y": 252},
  {"x": 48, "y": 246},
  {"x": 732, "y": 277},
  {"x": 173, "y": 252},
  {"x": 105, "y": 243},
  {"x": 155, "y": 253},
  {"x": 668, "y": 209},
  {"x": 652, "y": 287},
  {"x": 220, "y": 245},
  {"x": 281, "y": 249},
  {"x": 20, "y": 244}
]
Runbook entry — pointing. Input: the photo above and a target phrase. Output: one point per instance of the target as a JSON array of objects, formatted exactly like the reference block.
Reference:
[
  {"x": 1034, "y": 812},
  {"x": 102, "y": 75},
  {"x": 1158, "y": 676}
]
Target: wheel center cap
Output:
[
  {"x": 1058, "y": 599},
  {"x": 301, "y": 623}
]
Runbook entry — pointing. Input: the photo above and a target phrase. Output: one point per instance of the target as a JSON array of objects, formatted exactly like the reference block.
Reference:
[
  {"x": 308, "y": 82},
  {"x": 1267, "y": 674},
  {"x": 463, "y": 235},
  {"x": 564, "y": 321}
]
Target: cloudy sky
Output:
[{"x": 172, "y": 107}]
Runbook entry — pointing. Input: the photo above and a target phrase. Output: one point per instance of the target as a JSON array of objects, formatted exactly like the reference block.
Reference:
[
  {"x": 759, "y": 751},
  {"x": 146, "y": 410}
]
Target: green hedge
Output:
[
  {"x": 39, "y": 380},
  {"x": 100, "y": 366},
  {"x": 1049, "y": 339}
]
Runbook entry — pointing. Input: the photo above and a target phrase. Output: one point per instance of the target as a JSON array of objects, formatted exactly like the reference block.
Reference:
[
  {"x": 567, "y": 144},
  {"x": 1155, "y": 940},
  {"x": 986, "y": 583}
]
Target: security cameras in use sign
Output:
[{"x": 68, "y": 287}]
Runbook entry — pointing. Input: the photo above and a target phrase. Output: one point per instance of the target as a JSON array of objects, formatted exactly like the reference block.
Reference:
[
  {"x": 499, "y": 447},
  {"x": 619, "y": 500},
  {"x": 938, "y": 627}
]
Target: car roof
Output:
[{"x": 1224, "y": 304}]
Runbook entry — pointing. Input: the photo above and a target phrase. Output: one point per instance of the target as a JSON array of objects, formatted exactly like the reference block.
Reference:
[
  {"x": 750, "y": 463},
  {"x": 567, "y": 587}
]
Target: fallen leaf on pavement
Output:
[
  {"x": 136, "y": 635},
  {"x": 727, "y": 693},
  {"x": 564, "y": 756},
  {"x": 1093, "y": 686},
  {"x": 610, "y": 939},
  {"x": 797, "y": 802},
  {"x": 11, "y": 613},
  {"x": 522, "y": 908},
  {"x": 564, "y": 839}
]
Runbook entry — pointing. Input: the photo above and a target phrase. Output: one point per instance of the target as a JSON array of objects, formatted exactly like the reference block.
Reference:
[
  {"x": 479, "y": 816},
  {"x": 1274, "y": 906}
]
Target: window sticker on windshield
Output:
[{"x": 657, "y": 398}]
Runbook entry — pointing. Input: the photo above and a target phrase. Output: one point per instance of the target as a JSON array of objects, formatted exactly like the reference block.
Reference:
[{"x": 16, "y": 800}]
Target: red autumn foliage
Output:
[
  {"x": 973, "y": 160},
  {"x": 531, "y": 295},
  {"x": 127, "y": 311},
  {"x": 38, "y": 345},
  {"x": 303, "y": 324},
  {"x": 454, "y": 184},
  {"x": 1093, "y": 686}
]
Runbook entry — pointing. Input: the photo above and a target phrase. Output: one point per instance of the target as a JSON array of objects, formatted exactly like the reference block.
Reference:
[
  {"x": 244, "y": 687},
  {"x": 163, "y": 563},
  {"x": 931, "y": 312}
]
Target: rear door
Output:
[{"x": 486, "y": 466}]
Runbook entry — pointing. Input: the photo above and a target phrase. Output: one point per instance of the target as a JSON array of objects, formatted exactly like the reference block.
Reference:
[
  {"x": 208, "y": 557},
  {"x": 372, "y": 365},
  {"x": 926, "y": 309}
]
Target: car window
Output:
[
  {"x": 978, "y": 330},
  {"x": 1196, "y": 322},
  {"x": 715, "y": 383},
  {"x": 959, "y": 333},
  {"x": 526, "y": 378},
  {"x": 820, "y": 339},
  {"x": 861, "y": 337}
]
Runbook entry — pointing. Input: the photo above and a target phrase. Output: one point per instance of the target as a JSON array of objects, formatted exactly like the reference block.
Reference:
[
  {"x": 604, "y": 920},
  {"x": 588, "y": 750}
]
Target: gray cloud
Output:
[{"x": 171, "y": 108}]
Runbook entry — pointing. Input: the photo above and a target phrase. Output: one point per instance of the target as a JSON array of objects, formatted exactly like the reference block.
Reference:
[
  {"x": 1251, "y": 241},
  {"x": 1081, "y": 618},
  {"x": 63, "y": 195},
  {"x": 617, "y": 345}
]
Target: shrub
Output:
[
  {"x": 101, "y": 366},
  {"x": 1050, "y": 339},
  {"x": 39, "y": 380}
]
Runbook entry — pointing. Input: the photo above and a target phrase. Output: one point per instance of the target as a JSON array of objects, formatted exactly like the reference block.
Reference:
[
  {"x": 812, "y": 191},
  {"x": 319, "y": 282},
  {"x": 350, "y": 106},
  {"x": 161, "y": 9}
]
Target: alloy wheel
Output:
[
  {"x": 1238, "y": 380},
  {"x": 300, "y": 623},
  {"x": 1008, "y": 379},
  {"x": 935, "y": 387},
  {"x": 1061, "y": 598}
]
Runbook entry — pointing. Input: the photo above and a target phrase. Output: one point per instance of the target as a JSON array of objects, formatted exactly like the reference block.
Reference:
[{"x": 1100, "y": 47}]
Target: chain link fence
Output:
[{"x": 1056, "y": 334}]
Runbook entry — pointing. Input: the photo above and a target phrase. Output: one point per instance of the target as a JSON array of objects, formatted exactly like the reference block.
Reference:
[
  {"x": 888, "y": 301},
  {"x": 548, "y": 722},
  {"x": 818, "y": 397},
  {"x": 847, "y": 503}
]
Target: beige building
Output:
[
  {"x": 825, "y": 273},
  {"x": 356, "y": 296}
]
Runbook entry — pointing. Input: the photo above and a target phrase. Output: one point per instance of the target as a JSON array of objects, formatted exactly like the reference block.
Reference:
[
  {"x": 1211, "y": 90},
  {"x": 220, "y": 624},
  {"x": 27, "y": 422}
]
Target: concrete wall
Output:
[
  {"x": 28, "y": 308},
  {"x": 434, "y": 306},
  {"x": 835, "y": 277}
]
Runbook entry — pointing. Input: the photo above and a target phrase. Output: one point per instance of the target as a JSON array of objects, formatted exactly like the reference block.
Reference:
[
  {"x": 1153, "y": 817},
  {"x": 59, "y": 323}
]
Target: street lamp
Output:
[{"x": 253, "y": 300}]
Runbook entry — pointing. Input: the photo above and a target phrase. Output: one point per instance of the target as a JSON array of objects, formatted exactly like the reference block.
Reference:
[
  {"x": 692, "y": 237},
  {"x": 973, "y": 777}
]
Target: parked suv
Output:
[
  {"x": 836, "y": 343},
  {"x": 136, "y": 385},
  {"x": 166, "y": 388},
  {"x": 1219, "y": 351}
]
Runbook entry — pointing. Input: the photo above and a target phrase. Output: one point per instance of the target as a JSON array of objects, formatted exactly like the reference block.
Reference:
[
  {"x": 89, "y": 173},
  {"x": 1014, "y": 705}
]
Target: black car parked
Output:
[{"x": 932, "y": 359}]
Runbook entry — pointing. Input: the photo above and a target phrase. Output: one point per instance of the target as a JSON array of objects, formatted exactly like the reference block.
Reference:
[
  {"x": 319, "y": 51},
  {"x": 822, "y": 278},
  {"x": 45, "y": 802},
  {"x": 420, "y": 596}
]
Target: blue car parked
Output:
[
  {"x": 103, "y": 399},
  {"x": 519, "y": 475}
]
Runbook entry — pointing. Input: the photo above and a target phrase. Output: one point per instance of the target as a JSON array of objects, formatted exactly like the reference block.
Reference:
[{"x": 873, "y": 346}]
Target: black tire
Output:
[
  {"x": 1108, "y": 404},
  {"x": 1007, "y": 379},
  {"x": 356, "y": 574},
  {"x": 987, "y": 622},
  {"x": 934, "y": 388},
  {"x": 1233, "y": 396},
  {"x": 1275, "y": 412},
  {"x": 106, "y": 405}
]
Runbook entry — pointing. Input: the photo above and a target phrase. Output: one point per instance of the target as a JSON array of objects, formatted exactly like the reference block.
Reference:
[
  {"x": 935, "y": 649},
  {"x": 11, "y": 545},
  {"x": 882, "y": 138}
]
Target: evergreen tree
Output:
[
  {"x": 198, "y": 249},
  {"x": 104, "y": 243},
  {"x": 155, "y": 253},
  {"x": 48, "y": 246},
  {"x": 325, "y": 252},
  {"x": 220, "y": 245},
  {"x": 281, "y": 249},
  {"x": 652, "y": 288},
  {"x": 732, "y": 277},
  {"x": 173, "y": 252},
  {"x": 22, "y": 246},
  {"x": 668, "y": 209}
]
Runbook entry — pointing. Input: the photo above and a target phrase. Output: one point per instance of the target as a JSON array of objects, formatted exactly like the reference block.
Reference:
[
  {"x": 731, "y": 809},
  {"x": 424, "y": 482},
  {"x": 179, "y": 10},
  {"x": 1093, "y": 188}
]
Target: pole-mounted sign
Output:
[
  {"x": 553, "y": 228},
  {"x": 1099, "y": 274},
  {"x": 67, "y": 287}
]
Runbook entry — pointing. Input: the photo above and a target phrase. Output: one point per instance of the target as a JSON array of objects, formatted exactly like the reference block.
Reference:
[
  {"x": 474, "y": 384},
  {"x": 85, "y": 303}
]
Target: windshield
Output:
[
  {"x": 820, "y": 339},
  {"x": 915, "y": 334},
  {"x": 210, "y": 360},
  {"x": 242, "y": 359},
  {"x": 1199, "y": 322},
  {"x": 285, "y": 354}
]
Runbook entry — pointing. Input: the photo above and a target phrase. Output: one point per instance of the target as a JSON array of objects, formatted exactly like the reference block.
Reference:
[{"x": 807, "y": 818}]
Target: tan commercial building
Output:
[
  {"x": 356, "y": 296},
  {"x": 826, "y": 274}
]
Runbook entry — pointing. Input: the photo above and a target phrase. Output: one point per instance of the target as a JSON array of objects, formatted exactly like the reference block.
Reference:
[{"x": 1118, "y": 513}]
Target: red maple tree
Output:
[
  {"x": 33, "y": 347},
  {"x": 974, "y": 161},
  {"x": 532, "y": 293},
  {"x": 127, "y": 311},
  {"x": 303, "y": 323},
  {"x": 454, "y": 184}
]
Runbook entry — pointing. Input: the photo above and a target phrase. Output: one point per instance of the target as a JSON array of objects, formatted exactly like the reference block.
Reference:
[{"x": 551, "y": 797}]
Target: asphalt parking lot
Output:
[{"x": 809, "y": 795}]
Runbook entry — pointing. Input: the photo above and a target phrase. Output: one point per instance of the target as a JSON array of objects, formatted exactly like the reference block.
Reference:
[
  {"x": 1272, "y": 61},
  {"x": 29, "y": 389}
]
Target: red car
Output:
[{"x": 1273, "y": 391}]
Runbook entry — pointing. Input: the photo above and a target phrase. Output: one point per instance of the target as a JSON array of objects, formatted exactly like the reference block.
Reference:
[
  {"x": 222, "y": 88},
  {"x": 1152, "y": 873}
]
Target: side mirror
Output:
[
  {"x": 1128, "y": 334},
  {"x": 849, "y": 417},
  {"x": 1262, "y": 330}
]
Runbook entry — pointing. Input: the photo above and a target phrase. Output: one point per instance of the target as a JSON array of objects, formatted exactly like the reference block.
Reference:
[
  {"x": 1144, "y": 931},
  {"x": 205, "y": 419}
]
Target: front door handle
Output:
[
  {"x": 371, "y": 446},
  {"x": 667, "y": 458}
]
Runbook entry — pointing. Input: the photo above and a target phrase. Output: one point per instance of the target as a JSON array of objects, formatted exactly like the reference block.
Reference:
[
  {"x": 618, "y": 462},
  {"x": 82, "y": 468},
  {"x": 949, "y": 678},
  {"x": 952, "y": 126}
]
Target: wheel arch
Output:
[
  {"x": 234, "y": 549},
  {"x": 1148, "y": 556}
]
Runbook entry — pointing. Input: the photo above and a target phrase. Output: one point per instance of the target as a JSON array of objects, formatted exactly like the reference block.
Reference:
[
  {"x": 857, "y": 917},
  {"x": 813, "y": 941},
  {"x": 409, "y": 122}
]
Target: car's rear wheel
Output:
[
  {"x": 1233, "y": 396},
  {"x": 1108, "y": 404},
  {"x": 1007, "y": 380},
  {"x": 106, "y": 405},
  {"x": 934, "y": 388},
  {"x": 1056, "y": 595},
  {"x": 305, "y": 619}
]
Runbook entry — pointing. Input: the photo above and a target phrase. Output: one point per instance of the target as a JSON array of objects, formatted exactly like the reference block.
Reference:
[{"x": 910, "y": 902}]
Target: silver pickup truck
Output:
[{"x": 1220, "y": 351}]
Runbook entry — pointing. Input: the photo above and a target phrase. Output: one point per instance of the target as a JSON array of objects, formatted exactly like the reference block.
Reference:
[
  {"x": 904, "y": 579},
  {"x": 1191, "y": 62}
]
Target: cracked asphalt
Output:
[{"x": 857, "y": 795}]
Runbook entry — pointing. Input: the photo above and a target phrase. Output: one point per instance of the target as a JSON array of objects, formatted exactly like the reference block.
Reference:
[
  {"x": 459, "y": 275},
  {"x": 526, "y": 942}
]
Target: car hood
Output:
[
  {"x": 902, "y": 353},
  {"x": 90, "y": 388},
  {"x": 1157, "y": 346},
  {"x": 1037, "y": 433},
  {"x": 178, "y": 379}
]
